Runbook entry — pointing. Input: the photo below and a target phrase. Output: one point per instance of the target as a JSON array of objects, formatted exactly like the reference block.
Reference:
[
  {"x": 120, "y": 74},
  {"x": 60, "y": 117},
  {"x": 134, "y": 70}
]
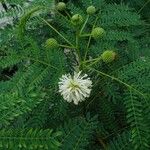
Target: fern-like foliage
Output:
[
  {"x": 78, "y": 133},
  {"x": 136, "y": 101},
  {"x": 121, "y": 142},
  {"x": 17, "y": 106},
  {"x": 29, "y": 139}
]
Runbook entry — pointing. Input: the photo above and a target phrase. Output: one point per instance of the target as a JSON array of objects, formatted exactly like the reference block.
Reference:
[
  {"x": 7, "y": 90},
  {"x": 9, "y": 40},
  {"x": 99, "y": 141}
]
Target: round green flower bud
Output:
[
  {"x": 91, "y": 10},
  {"x": 98, "y": 32},
  {"x": 76, "y": 19},
  {"x": 61, "y": 6},
  {"x": 108, "y": 56},
  {"x": 51, "y": 43}
]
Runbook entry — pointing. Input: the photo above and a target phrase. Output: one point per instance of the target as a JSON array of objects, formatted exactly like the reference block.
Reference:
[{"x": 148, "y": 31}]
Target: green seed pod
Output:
[
  {"x": 98, "y": 32},
  {"x": 61, "y": 6},
  {"x": 91, "y": 10},
  {"x": 76, "y": 19},
  {"x": 51, "y": 43},
  {"x": 108, "y": 56}
]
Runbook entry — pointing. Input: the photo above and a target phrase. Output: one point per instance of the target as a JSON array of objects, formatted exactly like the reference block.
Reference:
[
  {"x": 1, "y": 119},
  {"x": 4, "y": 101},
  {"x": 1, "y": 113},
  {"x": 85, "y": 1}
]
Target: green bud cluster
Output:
[
  {"x": 76, "y": 19},
  {"x": 98, "y": 32},
  {"x": 91, "y": 10},
  {"x": 51, "y": 43},
  {"x": 61, "y": 6},
  {"x": 108, "y": 56}
]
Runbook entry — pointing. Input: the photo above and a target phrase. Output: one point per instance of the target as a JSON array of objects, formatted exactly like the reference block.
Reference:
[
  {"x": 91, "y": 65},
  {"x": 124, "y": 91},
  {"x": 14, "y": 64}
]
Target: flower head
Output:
[
  {"x": 51, "y": 43},
  {"x": 91, "y": 10},
  {"x": 75, "y": 88},
  {"x": 98, "y": 32},
  {"x": 108, "y": 56},
  {"x": 77, "y": 19},
  {"x": 61, "y": 6}
]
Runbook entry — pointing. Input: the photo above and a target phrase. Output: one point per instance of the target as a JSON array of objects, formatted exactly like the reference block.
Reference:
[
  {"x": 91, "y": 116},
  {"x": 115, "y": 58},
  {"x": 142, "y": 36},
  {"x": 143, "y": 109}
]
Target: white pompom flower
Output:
[{"x": 75, "y": 88}]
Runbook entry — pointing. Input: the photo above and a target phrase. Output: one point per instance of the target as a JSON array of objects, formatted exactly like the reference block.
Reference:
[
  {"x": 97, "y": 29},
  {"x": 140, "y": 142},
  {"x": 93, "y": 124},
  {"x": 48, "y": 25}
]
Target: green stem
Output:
[
  {"x": 96, "y": 61},
  {"x": 118, "y": 80},
  {"x": 85, "y": 35},
  {"x": 63, "y": 16},
  {"x": 66, "y": 46},
  {"x": 88, "y": 44},
  {"x": 88, "y": 61},
  {"x": 67, "y": 14},
  {"x": 39, "y": 61},
  {"x": 77, "y": 47},
  {"x": 102, "y": 143},
  {"x": 57, "y": 32},
  {"x": 143, "y": 6},
  {"x": 84, "y": 25}
]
